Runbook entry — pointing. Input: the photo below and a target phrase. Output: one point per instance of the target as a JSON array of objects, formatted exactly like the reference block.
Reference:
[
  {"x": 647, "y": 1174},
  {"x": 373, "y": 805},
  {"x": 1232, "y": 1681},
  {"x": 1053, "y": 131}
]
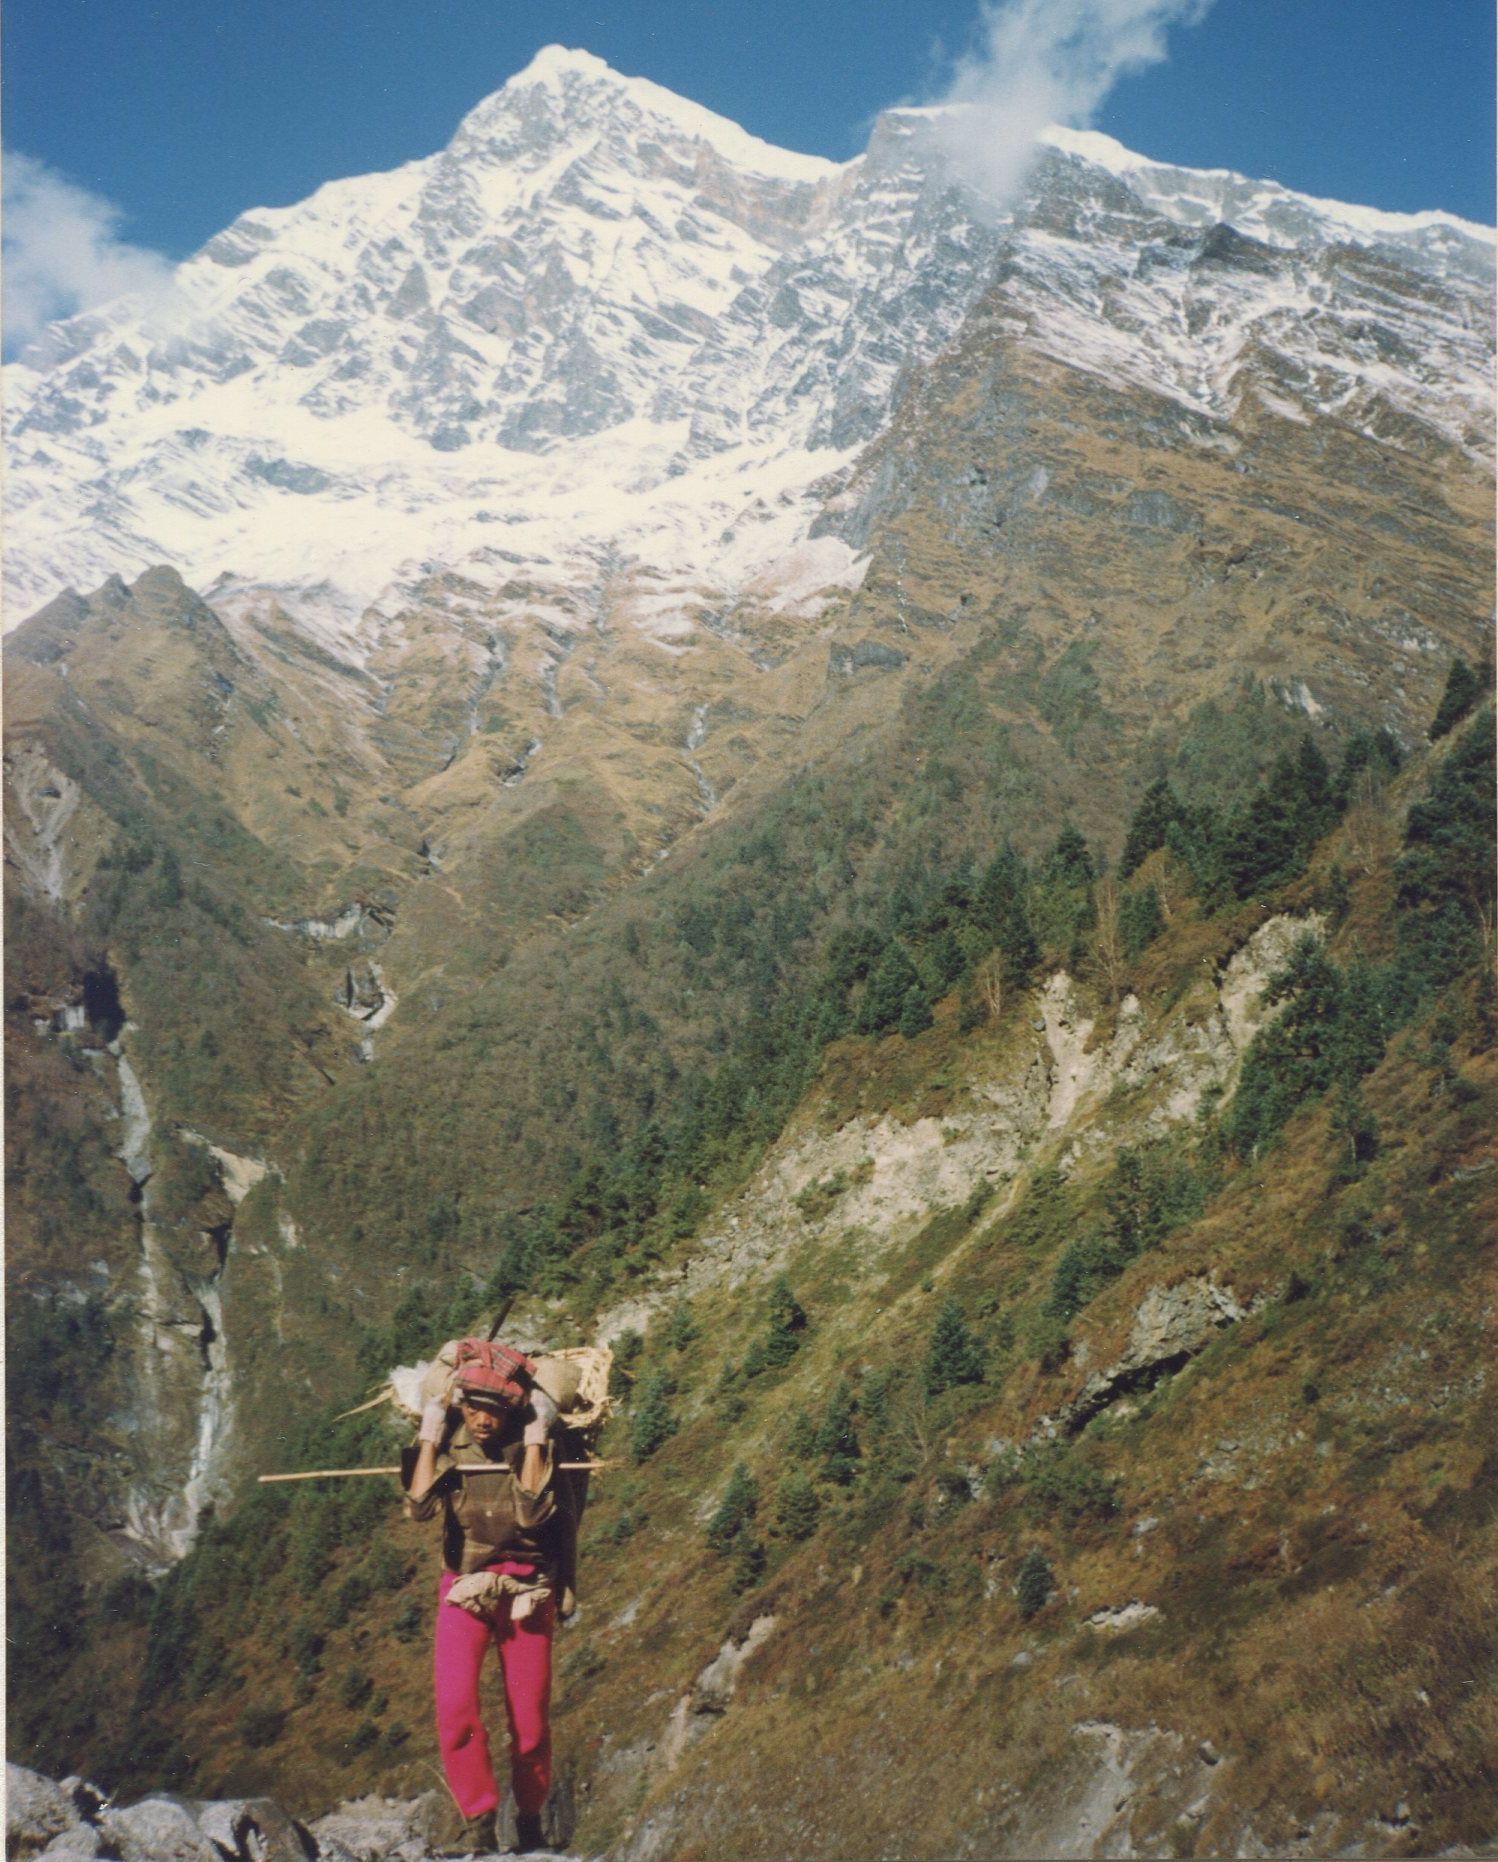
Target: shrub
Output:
[
  {"x": 1066, "y": 1483},
  {"x": 626, "y": 1349},
  {"x": 1033, "y": 1584},
  {"x": 305, "y": 1644},
  {"x": 917, "y": 1567},
  {"x": 261, "y": 1725}
]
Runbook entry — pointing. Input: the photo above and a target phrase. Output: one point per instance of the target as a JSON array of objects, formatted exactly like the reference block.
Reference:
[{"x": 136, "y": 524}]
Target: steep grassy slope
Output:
[{"x": 1077, "y": 1425}]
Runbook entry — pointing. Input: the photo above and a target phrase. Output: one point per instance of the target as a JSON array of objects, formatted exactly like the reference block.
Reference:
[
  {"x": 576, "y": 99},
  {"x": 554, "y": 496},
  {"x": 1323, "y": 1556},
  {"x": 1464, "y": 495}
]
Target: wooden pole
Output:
[{"x": 492, "y": 1467}]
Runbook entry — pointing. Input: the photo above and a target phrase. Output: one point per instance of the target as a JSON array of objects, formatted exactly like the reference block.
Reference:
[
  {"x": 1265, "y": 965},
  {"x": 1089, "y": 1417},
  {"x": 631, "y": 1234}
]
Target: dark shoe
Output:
[
  {"x": 477, "y": 1838},
  {"x": 528, "y": 1836}
]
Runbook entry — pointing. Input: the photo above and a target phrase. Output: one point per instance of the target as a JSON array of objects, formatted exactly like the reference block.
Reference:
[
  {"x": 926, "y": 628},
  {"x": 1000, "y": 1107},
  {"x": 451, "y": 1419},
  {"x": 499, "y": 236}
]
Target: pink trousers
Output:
[{"x": 525, "y": 1657}]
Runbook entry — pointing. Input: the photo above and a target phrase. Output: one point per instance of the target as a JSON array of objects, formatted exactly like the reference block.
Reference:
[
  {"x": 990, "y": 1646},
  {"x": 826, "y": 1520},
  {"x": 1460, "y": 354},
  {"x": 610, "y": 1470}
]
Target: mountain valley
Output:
[{"x": 630, "y": 722}]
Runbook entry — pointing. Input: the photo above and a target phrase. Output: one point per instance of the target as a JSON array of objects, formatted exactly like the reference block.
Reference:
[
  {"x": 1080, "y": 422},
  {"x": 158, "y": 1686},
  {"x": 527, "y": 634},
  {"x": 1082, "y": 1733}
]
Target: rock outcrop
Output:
[{"x": 73, "y": 1820}]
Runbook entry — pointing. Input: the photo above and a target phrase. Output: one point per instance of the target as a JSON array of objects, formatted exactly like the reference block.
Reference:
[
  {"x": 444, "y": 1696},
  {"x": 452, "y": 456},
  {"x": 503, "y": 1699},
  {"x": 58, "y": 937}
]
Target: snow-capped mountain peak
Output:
[
  {"x": 605, "y": 325},
  {"x": 579, "y": 91}
]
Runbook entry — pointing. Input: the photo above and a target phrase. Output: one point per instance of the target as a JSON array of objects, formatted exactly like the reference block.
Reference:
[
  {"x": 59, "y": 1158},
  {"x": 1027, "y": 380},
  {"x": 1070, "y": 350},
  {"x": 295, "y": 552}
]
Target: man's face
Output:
[{"x": 481, "y": 1422}]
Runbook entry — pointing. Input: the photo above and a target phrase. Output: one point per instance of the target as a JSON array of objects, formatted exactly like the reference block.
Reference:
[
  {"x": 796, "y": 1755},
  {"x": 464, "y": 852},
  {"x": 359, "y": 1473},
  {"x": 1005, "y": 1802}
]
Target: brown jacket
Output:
[{"x": 488, "y": 1517}]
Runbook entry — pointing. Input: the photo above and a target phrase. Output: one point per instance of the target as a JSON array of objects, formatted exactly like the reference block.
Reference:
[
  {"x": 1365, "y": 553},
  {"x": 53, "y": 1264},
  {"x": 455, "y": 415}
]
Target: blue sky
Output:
[{"x": 180, "y": 114}]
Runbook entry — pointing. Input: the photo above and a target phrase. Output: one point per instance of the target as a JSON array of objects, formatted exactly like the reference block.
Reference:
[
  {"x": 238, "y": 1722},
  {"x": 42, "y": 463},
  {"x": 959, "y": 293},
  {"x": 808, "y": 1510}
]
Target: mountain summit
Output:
[{"x": 604, "y": 324}]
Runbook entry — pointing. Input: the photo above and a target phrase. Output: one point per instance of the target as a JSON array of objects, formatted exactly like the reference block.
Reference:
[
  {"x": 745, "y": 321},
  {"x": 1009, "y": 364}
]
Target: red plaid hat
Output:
[{"x": 492, "y": 1373}]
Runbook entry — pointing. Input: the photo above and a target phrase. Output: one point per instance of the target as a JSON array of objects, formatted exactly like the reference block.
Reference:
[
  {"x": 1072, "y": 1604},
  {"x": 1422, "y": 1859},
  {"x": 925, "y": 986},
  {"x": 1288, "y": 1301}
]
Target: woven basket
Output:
[{"x": 576, "y": 1380}]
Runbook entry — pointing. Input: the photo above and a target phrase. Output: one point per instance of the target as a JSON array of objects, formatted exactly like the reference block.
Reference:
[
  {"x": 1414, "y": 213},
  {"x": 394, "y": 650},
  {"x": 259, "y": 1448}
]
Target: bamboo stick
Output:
[
  {"x": 387, "y": 1395},
  {"x": 491, "y": 1467}
]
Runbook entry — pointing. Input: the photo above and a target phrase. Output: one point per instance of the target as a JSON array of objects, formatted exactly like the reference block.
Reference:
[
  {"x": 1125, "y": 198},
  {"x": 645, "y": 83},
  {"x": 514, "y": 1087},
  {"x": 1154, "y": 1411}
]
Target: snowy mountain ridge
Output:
[{"x": 607, "y": 336}]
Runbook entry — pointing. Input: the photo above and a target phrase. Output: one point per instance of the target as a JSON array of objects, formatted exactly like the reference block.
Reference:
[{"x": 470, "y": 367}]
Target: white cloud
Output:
[
  {"x": 63, "y": 253},
  {"x": 1041, "y": 62}
]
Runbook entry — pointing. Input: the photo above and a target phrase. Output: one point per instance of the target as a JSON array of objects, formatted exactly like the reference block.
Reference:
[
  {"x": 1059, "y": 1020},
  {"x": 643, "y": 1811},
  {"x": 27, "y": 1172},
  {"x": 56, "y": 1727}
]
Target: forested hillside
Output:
[{"x": 1168, "y": 1425}]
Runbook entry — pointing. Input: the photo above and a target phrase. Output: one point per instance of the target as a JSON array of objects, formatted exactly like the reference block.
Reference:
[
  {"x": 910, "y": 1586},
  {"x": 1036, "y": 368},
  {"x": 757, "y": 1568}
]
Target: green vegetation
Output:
[
  {"x": 836, "y": 1438},
  {"x": 784, "y": 1325},
  {"x": 653, "y": 1424},
  {"x": 1337, "y": 1020},
  {"x": 797, "y": 1508},
  {"x": 1033, "y": 1584},
  {"x": 1464, "y": 690},
  {"x": 954, "y": 1356},
  {"x": 866, "y": 937}
]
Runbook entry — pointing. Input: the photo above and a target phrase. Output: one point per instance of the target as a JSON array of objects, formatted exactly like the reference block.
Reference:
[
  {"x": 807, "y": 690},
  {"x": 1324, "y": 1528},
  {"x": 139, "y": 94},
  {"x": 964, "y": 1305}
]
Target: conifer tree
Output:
[
  {"x": 1448, "y": 862},
  {"x": 1149, "y": 827},
  {"x": 888, "y": 985},
  {"x": 801, "y": 1437},
  {"x": 945, "y": 961},
  {"x": 915, "y": 1012},
  {"x": 797, "y": 1508},
  {"x": 1197, "y": 837},
  {"x": 1315, "y": 808},
  {"x": 1359, "y": 1041},
  {"x": 653, "y": 1422},
  {"x": 748, "y": 1561},
  {"x": 837, "y": 1439},
  {"x": 1463, "y": 690},
  {"x": 953, "y": 1356},
  {"x": 1069, "y": 863},
  {"x": 1140, "y": 920},
  {"x": 1263, "y": 845},
  {"x": 1003, "y": 880},
  {"x": 782, "y": 1336},
  {"x": 735, "y": 1512},
  {"x": 1373, "y": 754},
  {"x": 1355, "y": 1127},
  {"x": 1134, "y": 1201},
  {"x": 1017, "y": 942},
  {"x": 681, "y": 1328}
]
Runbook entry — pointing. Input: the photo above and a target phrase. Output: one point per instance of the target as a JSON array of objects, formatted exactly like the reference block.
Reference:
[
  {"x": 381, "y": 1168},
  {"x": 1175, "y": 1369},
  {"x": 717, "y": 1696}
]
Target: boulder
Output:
[
  {"x": 37, "y": 1811},
  {"x": 158, "y": 1829},
  {"x": 372, "y": 1828},
  {"x": 256, "y": 1829},
  {"x": 82, "y": 1842}
]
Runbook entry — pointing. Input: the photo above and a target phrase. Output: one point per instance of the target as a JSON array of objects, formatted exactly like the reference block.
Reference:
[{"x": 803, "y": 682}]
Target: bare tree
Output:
[
  {"x": 1107, "y": 940},
  {"x": 1368, "y": 832},
  {"x": 989, "y": 978}
]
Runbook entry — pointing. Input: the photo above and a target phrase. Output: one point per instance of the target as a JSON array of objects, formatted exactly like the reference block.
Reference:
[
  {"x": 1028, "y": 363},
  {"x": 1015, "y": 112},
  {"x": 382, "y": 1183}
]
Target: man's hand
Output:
[
  {"x": 544, "y": 1417},
  {"x": 433, "y": 1422}
]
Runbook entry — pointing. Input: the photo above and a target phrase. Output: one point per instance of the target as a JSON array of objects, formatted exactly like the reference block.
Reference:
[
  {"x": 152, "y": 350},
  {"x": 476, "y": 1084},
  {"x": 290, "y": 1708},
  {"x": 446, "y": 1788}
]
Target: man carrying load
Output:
[{"x": 485, "y": 1460}]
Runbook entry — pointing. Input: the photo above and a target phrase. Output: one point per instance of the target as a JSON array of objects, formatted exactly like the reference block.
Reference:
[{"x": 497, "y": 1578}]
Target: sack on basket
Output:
[{"x": 576, "y": 1380}]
